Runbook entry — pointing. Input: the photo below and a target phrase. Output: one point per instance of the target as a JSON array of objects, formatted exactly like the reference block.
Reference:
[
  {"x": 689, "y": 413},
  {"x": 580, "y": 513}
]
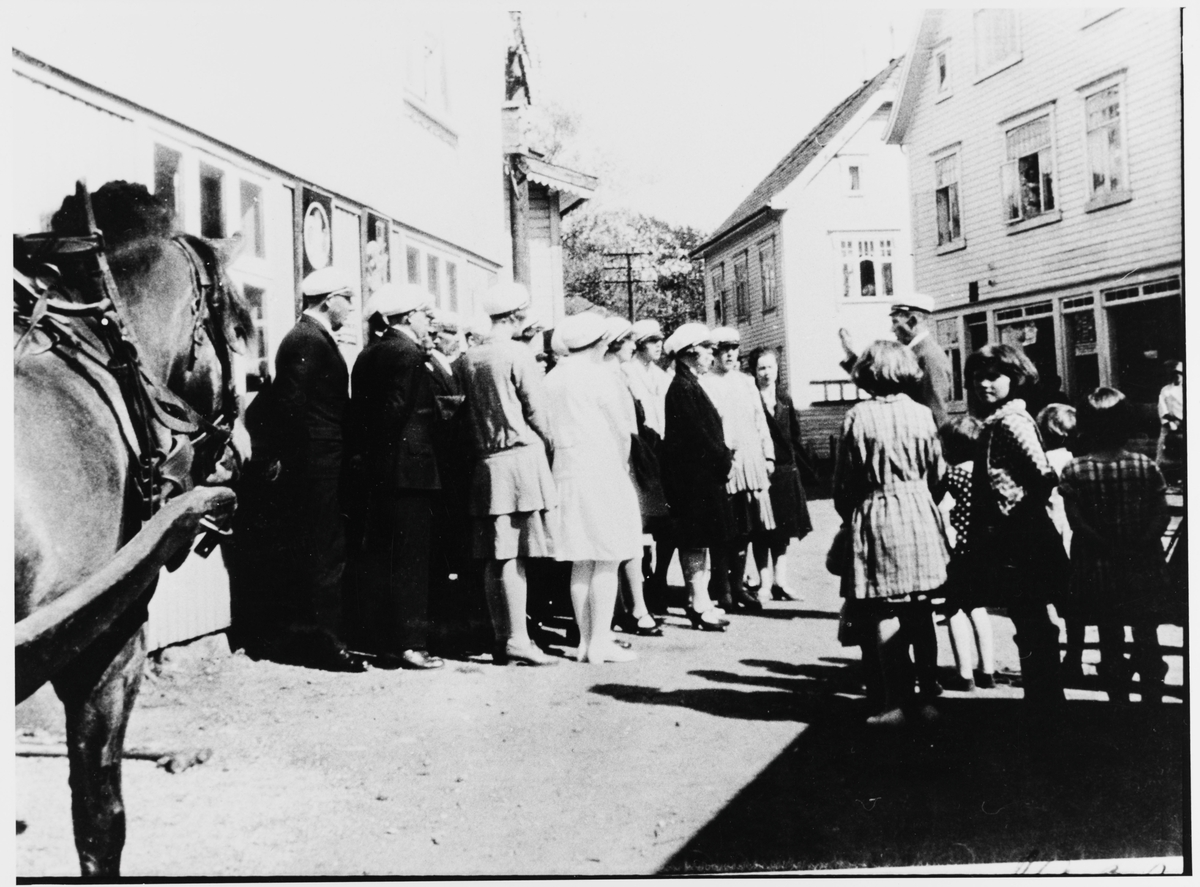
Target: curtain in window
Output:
[{"x": 1106, "y": 157}]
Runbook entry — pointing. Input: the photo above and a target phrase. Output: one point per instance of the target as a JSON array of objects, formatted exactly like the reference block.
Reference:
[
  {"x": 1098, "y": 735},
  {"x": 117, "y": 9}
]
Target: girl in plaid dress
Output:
[
  {"x": 889, "y": 461},
  {"x": 1017, "y": 559},
  {"x": 1116, "y": 504}
]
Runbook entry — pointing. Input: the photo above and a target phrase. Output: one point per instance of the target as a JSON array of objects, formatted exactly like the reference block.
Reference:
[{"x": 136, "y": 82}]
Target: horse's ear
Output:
[{"x": 228, "y": 249}]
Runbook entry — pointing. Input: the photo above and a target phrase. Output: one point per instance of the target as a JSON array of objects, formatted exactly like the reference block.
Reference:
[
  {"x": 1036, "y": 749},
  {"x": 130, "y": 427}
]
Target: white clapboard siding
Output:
[
  {"x": 191, "y": 602},
  {"x": 1059, "y": 57}
]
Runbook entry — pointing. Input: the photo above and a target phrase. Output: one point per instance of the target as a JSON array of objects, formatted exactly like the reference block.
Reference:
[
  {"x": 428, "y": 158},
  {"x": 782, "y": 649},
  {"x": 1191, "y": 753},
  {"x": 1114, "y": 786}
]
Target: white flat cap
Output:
[
  {"x": 532, "y": 323},
  {"x": 505, "y": 297},
  {"x": 557, "y": 345},
  {"x": 446, "y": 321},
  {"x": 617, "y": 328},
  {"x": 686, "y": 336},
  {"x": 582, "y": 330},
  {"x": 726, "y": 335},
  {"x": 326, "y": 282},
  {"x": 397, "y": 298},
  {"x": 914, "y": 302},
  {"x": 646, "y": 329}
]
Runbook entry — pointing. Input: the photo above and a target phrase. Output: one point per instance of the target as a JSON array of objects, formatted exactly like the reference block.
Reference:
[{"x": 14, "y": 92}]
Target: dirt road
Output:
[{"x": 725, "y": 752}]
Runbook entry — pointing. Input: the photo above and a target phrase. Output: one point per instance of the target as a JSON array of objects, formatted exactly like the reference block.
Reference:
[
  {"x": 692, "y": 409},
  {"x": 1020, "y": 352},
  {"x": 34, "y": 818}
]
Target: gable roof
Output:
[{"x": 790, "y": 167}]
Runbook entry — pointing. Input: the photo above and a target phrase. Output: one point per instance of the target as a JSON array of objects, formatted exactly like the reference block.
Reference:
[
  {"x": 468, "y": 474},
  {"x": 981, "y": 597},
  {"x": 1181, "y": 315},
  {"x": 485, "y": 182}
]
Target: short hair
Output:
[
  {"x": 958, "y": 438},
  {"x": 1057, "y": 424},
  {"x": 887, "y": 367},
  {"x": 757, "y": 354},
  {"x": 1007, "y": 360},
  {"x": 1105, "y": 419}
]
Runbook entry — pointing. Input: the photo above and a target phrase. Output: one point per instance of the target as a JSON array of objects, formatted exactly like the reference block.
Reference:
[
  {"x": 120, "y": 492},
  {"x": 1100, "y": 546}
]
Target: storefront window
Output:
[
  {"x": 1144, "y": 336},
  {"x": 1083, "y": 358},
  {"x": 1031, "y": 328}
]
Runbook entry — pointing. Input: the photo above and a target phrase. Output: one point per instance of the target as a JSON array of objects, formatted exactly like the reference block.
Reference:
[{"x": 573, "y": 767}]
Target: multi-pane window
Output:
[
  {"x": 740, "y": 300},
  {"x": 718, "y": 288},
  {"x": 1105, "y": 145},
  {"x": 433, "y": 278},
  {"x": 413, "y": 256},
  {"x": 1028, "y": 171},
  {"x": 766, "y": 269},
  {"x": 867, "y": 267},
  {"x": 452, "y": 285},
  {"x": 949, "y": 216},
  {"x": 252, "y": 219},
  {"x": 997, "y": 39}
]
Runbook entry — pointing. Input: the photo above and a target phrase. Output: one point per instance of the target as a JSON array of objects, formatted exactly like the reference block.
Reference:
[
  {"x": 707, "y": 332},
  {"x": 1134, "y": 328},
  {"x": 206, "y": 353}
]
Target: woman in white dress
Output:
[
  {"x": 748, "y": 436},
  {"x": 597, "y": 524}
]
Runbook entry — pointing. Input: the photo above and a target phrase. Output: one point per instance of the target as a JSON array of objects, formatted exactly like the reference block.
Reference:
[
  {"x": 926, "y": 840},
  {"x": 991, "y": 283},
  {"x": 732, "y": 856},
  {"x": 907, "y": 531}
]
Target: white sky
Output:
[{"x": 688, "y": 106}]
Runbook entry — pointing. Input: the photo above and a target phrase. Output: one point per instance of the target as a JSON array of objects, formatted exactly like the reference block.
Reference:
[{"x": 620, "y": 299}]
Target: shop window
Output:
[
  {"x": 949, "y": 215},
  {"x": 252, "y": 219},
  {"x": 1145, "y": 325},
  {"x": 414, "y": 264},
  {"x": 1083, "y": 357},
  {"x": 259, "y": 368},
  {"x": 1028, "y": 171},
  {"x": 766, "y": 270},
  {"x": 1031, "y": 328},
  {"x": 977, "y": 330},
  {"x": 950, "y": 340},
  {"x": 740, "y": 300},
  {"x": 1107, "y": 169},
  {"x": 997, "y": 41},
  {"x": 168, "y": 176},
  {"x": 212, "y": 204}
]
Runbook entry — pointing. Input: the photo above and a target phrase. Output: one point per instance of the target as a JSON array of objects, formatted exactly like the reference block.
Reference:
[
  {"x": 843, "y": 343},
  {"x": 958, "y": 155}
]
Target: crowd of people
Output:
[{"x": 463, "y": 479}]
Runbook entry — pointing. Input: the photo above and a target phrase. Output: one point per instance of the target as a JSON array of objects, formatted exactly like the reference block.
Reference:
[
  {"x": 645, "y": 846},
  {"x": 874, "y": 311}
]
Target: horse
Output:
[{"x": 124, "y": 400}]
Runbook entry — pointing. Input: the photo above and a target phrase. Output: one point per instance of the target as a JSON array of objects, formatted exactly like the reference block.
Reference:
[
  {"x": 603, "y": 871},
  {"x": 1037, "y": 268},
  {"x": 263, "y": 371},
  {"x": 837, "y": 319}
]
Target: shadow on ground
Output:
[{"x": 989, "y": 781}]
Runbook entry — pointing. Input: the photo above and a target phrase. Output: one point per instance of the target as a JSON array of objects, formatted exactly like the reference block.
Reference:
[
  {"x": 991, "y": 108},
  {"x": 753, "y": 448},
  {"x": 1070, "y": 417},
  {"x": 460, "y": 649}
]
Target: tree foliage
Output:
[{"x": 667, "y": 285}]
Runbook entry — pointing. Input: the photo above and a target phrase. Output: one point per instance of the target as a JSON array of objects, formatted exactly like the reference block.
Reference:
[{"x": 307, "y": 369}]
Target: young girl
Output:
[
  {"x": 1116, "y": 503},
  {"x": 889, "y": 460},
  {"x": 966, "y": 614},
  {"x": 1016, "y": 559}
]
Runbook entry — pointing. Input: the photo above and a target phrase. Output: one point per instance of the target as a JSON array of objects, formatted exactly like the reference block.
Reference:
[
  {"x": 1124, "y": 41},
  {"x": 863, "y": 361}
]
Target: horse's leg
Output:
[{"x": 98, "y": 692}]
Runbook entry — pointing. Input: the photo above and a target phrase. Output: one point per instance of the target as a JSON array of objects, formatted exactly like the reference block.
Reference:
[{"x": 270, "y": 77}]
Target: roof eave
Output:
[
  {"x": 910, "y": 78},
  {"x": 736, "y": 229}
]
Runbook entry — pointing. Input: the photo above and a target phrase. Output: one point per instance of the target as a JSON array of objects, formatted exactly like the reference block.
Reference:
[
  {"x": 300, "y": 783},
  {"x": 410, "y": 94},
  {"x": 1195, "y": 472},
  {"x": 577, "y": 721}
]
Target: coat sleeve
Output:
[
  {"x": 846, "y": 472},
  {"x": 530, "y": 386},
  {"x": 935, "y": 381}
]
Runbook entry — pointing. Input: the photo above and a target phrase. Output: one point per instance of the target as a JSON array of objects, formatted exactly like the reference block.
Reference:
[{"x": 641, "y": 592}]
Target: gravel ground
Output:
[{"x": 672, "y": 762}]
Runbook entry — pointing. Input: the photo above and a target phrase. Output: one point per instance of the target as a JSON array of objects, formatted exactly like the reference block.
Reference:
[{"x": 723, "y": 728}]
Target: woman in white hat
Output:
[
  {"x": 634, "y": 616},
  {"x": 695, "y": 468},
  {"x": 512, "y": 489},
  {"x": 597, "y": 524},
  {"x": 748, "y": 486}
]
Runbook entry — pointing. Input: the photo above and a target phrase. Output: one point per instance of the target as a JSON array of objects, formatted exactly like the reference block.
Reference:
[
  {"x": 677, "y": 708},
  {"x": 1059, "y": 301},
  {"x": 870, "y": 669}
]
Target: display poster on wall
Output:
[
  {"x": 376, "y": 262},
  {"x": 316, "y": 231}
]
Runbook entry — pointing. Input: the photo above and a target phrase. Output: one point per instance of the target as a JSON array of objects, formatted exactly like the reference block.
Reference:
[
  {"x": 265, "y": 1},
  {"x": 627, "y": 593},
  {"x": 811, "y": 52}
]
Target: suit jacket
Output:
[
  {"x": 393, "y": 413},
  {"x": 936, "y": 381},
  {"x": 310, "y": 394}
]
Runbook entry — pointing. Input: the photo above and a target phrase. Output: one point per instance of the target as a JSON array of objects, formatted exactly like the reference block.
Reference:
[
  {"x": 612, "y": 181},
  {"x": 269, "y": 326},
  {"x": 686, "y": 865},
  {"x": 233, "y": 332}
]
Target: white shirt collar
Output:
[
  {"x": 321, "y": 319},
  {"x": 924, "y": 334}
]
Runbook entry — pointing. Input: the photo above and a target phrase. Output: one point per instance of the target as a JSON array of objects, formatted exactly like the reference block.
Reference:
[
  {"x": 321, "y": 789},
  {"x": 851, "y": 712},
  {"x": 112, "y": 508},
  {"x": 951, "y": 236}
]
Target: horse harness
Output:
[{"x": 165, "y": 436}]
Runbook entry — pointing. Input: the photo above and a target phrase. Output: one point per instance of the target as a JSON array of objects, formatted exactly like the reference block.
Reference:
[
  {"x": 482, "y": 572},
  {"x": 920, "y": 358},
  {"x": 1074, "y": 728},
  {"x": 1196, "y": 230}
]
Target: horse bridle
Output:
[{"x": 165, "y": 435}]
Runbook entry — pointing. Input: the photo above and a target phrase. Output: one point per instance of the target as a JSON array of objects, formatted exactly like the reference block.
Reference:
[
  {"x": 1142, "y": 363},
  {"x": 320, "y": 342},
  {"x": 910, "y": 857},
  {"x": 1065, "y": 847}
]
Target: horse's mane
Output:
[{"x": 136, "y": 225}]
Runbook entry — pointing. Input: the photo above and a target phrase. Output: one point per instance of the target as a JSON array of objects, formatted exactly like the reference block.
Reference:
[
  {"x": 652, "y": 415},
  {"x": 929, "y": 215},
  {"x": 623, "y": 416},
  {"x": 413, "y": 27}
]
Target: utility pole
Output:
[{"x": 628, "y": 257}]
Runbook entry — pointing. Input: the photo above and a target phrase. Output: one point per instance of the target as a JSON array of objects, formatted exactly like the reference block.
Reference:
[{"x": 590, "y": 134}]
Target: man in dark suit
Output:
[
  {"x": 310, "y": 395},
  {"x": 393, "y": 412}
]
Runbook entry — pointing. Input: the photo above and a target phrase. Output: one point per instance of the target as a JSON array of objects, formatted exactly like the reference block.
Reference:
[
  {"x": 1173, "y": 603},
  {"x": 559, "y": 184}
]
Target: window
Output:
[
  {"x": 766, "y": 270},
  {"x": 949, "y": 338},
  {"x": 452, "y": 285},
  {"x": 168, "y": 176},
  {"x": 414, "y": 264},
  {"x": 867, "y": 267},
  {"x": 212, "y": 210},
  {"x": 1028, "y": 171},
  {"x": 432, "y": 279},
  {"x": 855, "y": 184},
  {"x": 949, "y": 215},
  {"x": 252, "y": 219},
  {"x": 719, "y": 295},
  {"x": 997, "y": 41},
  {"x": 1107, "y": 176},
  {"x": 259, "y": 369},
  {"x": 739, "y": 286},
  {"x": 941, "y": 71}
]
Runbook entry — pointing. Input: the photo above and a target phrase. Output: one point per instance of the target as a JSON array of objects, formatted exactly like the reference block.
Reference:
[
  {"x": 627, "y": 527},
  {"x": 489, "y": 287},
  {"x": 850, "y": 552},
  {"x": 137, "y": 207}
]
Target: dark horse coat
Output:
[{"x": 695, "y": 465}]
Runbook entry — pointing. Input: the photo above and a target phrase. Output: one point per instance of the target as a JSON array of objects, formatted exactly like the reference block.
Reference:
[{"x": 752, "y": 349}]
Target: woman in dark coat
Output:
[
  {"x": 695, "y": 467},
  {"x": 787, "y": 495}
]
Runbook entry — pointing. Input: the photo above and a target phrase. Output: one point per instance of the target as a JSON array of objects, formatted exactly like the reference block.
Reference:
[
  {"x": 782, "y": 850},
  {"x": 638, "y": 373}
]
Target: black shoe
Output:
[
  {"x": 930, "y": 688},
  {"x": 779, "y": 593},
  {"x": 646, "y": 627},
  {"x": 748, "y": 603},
  {"x": 712, "y": 624},
  {"x": 986, "y": 681}
]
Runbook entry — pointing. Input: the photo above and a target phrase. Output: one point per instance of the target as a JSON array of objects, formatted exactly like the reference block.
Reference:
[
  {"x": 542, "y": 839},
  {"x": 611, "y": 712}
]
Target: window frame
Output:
[
  {"x": 1095, "y": 201},
  {"x": 741, "y": 285},
  {"x": 1004, "y": 62},
  {"x": 1046, "y": 216},
  {"x": 719, "y": 293},
  {"x": 770, "y": 294},
  {"x": 955, "y": 243},
  {"x": 850, "y": 253},
  {"x": 944, "y": 89}
]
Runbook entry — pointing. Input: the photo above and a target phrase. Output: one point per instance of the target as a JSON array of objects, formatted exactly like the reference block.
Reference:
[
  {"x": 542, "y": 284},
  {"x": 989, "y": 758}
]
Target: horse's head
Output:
[{"x": 187, "y": 315}]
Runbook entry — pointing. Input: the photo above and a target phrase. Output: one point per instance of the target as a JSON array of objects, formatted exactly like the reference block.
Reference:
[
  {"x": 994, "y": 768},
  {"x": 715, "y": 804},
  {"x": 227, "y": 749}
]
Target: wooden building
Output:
[
  {"x": 1045, "y": 160},
  {"x": 322, "y": 139},
  {"x": 820, "y": 244}
]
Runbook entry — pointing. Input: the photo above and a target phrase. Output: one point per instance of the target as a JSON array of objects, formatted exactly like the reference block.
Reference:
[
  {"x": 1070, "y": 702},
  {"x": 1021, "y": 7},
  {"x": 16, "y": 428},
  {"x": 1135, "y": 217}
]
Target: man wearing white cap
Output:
[
  {"x": 910, "y": 324},
  {"x": 310, "y": 396},
  {"x": 393, "y": 410}
]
